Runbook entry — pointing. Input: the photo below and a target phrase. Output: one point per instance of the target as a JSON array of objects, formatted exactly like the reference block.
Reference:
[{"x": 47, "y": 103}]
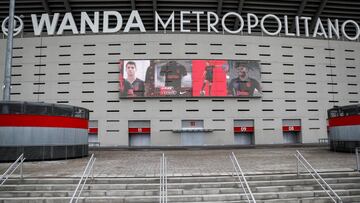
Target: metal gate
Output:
[
  {"x": 139, "y": 133},
  {"x": 93, "y": 133},
  {"x": 192, "y": 134},
  {"x": 244, "y": 132},
  {"x": 291, "y": 131}
]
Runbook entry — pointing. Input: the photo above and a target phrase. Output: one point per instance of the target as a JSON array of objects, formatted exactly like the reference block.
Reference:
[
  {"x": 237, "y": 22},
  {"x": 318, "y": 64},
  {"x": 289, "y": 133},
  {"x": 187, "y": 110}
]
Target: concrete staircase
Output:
[{"x": 211, "y": 188}]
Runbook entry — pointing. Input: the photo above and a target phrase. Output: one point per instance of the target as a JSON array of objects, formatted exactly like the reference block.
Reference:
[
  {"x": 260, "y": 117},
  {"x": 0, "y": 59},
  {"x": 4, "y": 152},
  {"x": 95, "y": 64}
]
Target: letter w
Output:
[{"x": 50, "y": 27}]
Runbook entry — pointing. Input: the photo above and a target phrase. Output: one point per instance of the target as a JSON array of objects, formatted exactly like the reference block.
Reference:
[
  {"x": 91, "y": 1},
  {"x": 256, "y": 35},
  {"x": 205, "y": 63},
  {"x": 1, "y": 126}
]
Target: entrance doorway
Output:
[
  {"x": 244, "y": 132},
  {"x": 139, "y": 133},
  {"x": 192, "y": 132},
  {"x": 291, "y": 131}
]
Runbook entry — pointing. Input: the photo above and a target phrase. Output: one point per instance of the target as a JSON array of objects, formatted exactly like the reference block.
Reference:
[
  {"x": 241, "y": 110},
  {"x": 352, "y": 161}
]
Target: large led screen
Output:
[{"x": 189, "y": 78}]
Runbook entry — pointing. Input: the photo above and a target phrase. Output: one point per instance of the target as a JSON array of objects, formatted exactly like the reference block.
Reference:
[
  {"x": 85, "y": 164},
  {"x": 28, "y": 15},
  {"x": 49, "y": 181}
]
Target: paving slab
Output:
[{"x": 135, "y": 163}]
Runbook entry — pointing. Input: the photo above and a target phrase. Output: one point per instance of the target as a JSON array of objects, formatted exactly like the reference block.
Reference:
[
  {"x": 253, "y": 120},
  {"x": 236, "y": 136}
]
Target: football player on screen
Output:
[{"x": 243, "y": 85}]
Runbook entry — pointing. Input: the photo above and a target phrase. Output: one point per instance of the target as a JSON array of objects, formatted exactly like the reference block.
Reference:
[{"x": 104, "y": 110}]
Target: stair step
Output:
[
  {"x": 206, "y": 189},
  {"x": 188, "y": 187},
  {"x": 184, "y": 179},
  {"x": 189, "y": 197}
]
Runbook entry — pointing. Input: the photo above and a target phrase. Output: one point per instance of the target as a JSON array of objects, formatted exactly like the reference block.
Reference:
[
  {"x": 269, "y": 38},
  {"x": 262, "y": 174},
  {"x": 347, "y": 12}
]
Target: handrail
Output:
[
  {"x": 19, "y": 162},
  {"x": 357, "y": 149},
  {"x": 323, "y": 140},
  {"x": 239, "y": 172},
  {"x": 88, "y": 169},
  {"x": 94, "y": 144},
  {"x": 329, "y": 191},
  {"x": 163, "y": 180}
]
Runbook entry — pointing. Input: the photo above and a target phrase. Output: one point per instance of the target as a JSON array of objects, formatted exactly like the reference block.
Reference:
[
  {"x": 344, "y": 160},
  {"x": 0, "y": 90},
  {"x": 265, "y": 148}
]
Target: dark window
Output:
[
  {"x": 38, "y": 109},
  {"x": 11, "y": 109},
  {"x": 63, "y": 111}
]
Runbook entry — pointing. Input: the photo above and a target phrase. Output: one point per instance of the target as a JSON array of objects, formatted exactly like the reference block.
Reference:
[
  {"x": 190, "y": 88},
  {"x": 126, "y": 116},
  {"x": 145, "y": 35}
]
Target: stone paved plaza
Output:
[{"x": 192, "y": 162}]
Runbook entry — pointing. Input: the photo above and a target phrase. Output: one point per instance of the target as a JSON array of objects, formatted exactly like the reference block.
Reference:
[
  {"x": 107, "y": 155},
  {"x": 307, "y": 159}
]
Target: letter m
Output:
[{"x": 164, "y": 25}]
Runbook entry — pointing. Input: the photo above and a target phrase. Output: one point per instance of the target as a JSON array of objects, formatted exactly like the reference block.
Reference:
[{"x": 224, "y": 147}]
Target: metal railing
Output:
[
  {"x": 12, "y": 168},
  {"x": 163, "y": 180},
  {"x": 323, "y": 140},
  {"x": 357, "y": 149},
  {"x": 326, "y": 187},
  {"x": 88, "y": 169},
  {"x": 242, "y": 180},
  {"x": 94, "y": 144}
]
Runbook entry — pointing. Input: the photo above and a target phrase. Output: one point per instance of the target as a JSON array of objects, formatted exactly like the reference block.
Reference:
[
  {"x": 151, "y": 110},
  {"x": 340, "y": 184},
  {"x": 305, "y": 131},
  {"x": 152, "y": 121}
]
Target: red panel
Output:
[
  {"x": 22, "y": 120},
  {"x": 244, "y": 129},
  {"x": 139, "y": 130},
  {"x": 344, "y": 121},
  {"x": 93, "y": 130},
  {"x": 291, "y": 128},
  {"x": 218, "y": 87}
]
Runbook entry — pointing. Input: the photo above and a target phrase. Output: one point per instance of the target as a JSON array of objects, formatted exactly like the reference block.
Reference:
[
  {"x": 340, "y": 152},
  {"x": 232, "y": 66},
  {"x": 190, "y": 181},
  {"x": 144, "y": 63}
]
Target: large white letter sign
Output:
[
  {"x": 85, "y": 19},
  {"x": 316, "y": 29},
  {"x": 164, "y": 25},
  {"x": 249, "y": 16},
  {"x": 356, "y": 27},
  {"x": 277, "y": 20},
  {"x": 211, "y": 26},
  {"x": 68, "y": 23},
  {"x": 227, "y": 29},
  {"x": 118, "y": 24},
  {"x": 131, "y": 24},
  {"x": 332, "y": 27},
  {"x": 50, "y": 27},
  {"x": 182, "y": 21}
]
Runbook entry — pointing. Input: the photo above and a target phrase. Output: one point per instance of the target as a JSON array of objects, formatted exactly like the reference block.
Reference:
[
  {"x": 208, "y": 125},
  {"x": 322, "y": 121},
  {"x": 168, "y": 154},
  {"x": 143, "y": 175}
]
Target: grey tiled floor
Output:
[{"x": 186, "y": 162}]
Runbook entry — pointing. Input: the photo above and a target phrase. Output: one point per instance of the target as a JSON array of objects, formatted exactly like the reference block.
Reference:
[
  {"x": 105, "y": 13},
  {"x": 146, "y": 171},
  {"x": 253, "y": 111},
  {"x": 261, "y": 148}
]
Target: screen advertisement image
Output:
[{"x": 189, "y": 78}]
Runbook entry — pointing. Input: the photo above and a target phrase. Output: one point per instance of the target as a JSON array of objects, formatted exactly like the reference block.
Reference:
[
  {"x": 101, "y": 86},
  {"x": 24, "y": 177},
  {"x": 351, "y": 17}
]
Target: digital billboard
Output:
[{"x": 189, "y": 78}]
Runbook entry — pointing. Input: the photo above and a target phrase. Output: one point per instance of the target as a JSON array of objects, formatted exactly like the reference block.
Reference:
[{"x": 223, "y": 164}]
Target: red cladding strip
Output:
[
  {"x": 291, "y": 128},
  {"x": 243, "y": 129},
  {"x": 139, "y": 130},
  {"x": 344, "y": 121},
  {"x": 93, "y": 130},
  {"x": 22, "y": 120}
]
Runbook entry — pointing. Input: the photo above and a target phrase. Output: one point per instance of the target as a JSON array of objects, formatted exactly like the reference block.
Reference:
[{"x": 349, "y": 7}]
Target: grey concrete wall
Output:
[
  {"x": 40, "y": 136},
  {"x": 301, "y": 79},
  {"x": 243, "y": 123},
  {"x": 345, "y": 133},
  {"x": 291, "y": 122}
]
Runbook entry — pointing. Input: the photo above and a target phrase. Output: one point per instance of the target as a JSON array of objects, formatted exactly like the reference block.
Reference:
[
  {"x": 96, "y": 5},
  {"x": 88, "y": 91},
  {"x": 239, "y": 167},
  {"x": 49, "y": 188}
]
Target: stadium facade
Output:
[{"x": 302, "y": 74}]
